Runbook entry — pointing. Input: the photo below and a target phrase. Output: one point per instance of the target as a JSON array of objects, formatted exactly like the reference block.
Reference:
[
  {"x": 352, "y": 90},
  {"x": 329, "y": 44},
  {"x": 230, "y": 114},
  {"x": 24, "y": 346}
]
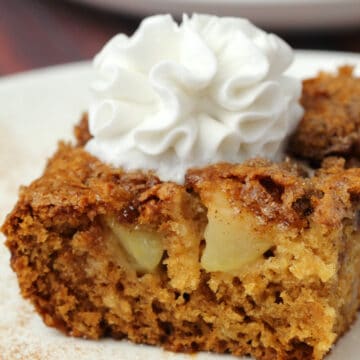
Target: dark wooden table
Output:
[{"x": 37, "y": 33}]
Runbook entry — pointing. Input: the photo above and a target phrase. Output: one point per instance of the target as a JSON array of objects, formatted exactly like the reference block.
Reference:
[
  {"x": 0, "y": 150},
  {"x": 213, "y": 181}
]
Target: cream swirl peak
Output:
[{"x": 175, "y": 96}]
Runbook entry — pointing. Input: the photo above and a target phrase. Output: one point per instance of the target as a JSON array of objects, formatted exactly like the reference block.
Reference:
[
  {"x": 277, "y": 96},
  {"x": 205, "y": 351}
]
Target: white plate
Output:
[
  {"x": 37, "y": 109},
  {"x": 279, "y": 14}
]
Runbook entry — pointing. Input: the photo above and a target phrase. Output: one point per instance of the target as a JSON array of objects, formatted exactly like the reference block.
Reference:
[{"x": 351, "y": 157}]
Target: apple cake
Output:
[
  {"x": 243, "y": 255},
  {"x": 331, "y": 124},
  {"x": 257, "y": 258}
]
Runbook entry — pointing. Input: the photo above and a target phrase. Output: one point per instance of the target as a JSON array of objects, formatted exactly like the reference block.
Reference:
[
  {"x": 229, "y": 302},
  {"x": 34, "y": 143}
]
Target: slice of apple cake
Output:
[{"x": 257, "y": 258}]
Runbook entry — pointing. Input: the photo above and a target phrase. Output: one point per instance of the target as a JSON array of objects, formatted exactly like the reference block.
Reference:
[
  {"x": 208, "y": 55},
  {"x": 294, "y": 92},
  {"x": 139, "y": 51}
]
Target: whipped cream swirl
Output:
[{"x": 175, "y": 96}]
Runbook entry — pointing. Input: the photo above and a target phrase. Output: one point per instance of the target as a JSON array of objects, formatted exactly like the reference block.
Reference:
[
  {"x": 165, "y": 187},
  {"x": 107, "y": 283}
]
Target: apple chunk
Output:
[
  {"x": 233, "y": 239},
  {"x": 144, "y": 248}
]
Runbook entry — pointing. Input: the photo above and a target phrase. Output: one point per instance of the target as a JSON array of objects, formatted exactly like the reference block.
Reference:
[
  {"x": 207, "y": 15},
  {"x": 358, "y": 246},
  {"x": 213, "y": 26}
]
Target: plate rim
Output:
[{"x": 85, "y": 65}]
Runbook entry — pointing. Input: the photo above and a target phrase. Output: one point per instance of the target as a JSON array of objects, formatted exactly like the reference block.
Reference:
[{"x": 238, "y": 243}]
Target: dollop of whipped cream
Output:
[{"x": 175, "y": 96}]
